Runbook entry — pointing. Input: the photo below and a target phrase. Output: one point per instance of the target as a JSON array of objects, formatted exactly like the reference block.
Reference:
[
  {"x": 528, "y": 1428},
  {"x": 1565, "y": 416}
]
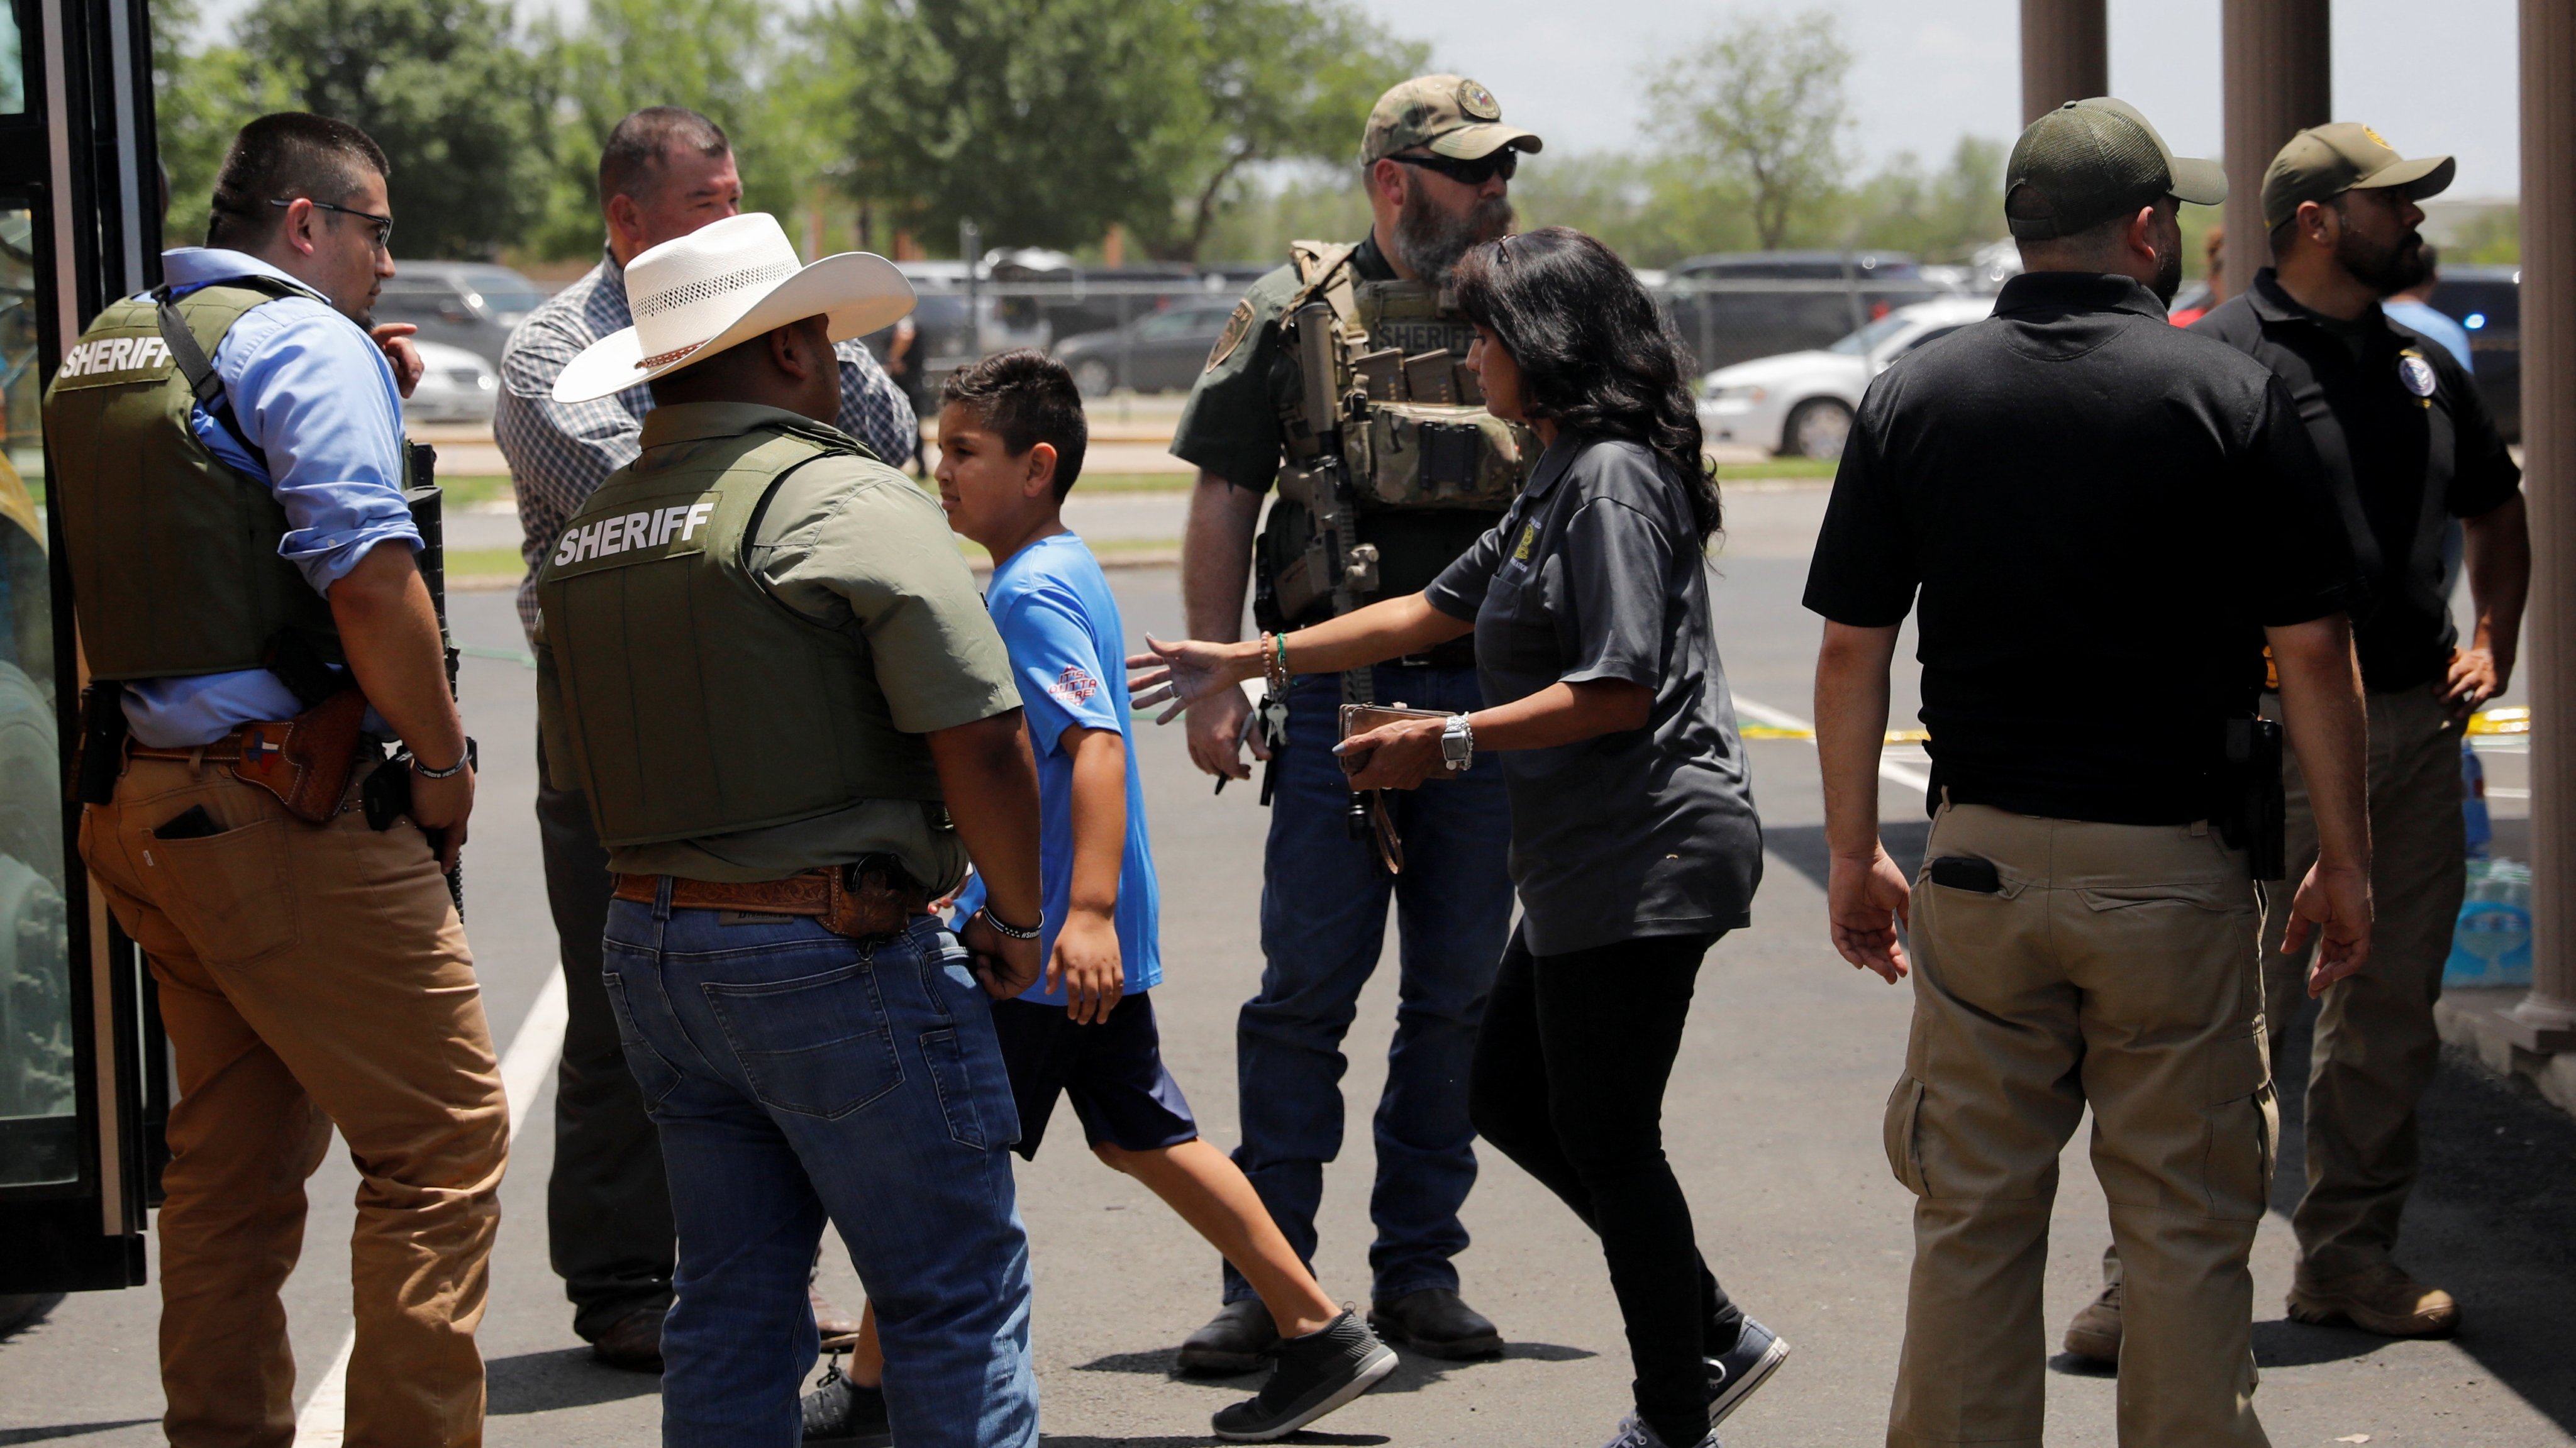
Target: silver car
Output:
[{"x": 1800, "y": 404}]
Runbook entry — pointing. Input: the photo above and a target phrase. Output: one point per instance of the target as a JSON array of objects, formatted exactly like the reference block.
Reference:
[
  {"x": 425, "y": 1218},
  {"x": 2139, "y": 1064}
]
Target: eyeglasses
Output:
[
  {"x": 1468, "y": 173},
  {"x": 384, "y": 224}
]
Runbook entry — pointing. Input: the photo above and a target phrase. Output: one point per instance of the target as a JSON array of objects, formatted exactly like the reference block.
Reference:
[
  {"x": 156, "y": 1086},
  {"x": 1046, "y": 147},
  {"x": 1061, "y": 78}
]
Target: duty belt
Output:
[{"x": 854, "y": 900}]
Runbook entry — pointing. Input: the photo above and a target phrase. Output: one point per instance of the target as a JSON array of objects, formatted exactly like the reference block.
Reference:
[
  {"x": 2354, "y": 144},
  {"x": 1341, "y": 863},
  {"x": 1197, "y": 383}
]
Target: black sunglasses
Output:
[
  {"x": 1468, "y": 173},
  {"x": 384, "y": 224}
]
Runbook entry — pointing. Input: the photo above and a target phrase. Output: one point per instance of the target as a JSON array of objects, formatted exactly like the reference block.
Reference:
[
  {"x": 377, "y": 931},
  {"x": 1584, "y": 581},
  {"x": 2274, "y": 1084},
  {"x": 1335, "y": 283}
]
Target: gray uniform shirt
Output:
[{"x": 1596, "y": 573}]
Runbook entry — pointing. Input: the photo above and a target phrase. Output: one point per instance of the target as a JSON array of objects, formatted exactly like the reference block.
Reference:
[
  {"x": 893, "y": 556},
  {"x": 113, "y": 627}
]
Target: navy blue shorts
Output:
[{"x": 1113, "y": 1071}]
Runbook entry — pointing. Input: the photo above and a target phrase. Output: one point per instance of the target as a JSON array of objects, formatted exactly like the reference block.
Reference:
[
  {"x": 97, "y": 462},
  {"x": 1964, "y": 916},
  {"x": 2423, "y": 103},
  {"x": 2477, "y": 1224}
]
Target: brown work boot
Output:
[
  {"x": 2379, "y": 1298},
  {"x": 839, "y": 1330},
  {"x": 2095, "y": 1332}
]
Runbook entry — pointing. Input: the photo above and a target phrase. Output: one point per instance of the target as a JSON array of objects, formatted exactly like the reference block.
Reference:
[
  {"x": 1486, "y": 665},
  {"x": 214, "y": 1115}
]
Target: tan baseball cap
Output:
[
  {"x": 1451, "y": 114},
  {"x": 2323, "y": 162}
]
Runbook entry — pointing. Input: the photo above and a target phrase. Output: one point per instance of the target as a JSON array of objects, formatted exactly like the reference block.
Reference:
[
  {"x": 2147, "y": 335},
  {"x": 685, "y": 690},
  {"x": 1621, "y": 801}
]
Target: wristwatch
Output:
[{"x": 1457, "y": 743}]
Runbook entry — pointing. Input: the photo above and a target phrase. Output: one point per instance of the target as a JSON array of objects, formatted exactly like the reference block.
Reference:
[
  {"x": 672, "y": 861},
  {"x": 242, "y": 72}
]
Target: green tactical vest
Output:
[
  {"x": 1432, "y": 468},
  {"x": 692, "y": 701},
  {"x": 173, "y": 554}
]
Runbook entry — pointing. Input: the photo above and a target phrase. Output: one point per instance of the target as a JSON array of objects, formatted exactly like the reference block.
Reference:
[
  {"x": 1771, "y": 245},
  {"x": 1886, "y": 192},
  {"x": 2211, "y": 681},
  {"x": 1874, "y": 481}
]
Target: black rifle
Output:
[{"x": 386, "y": 796}]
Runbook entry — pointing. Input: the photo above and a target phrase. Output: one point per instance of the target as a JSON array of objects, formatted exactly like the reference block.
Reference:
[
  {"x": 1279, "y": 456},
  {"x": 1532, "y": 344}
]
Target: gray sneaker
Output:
[
  {"x": 1317, "y": 1373},
  {"x": 1735, "y": 1373},
  {"x": 1633, "y": 1433}
]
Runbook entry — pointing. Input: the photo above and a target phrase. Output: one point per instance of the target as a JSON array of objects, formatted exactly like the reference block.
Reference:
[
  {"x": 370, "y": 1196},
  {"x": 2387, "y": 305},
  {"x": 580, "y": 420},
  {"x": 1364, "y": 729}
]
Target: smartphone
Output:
[{"x": 1967, "y": 872}]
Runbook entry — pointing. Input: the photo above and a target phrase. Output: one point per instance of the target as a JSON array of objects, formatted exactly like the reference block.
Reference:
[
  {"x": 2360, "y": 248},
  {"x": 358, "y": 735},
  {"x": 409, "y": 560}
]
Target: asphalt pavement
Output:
[{"x": 1773, "y": 1122}]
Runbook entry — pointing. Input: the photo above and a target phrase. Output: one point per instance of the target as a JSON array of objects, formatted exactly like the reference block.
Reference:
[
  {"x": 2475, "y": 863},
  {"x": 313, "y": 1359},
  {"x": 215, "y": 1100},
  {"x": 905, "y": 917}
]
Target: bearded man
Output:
[{"x": 1437, "y": 162}]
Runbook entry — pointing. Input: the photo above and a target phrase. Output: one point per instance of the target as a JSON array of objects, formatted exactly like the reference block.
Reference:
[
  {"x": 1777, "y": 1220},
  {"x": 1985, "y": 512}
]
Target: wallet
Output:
[{"x": 1361, "y": 718}]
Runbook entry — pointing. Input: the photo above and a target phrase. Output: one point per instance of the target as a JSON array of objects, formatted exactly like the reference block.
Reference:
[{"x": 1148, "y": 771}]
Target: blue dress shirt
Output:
[{"x": 317, "y": 396}]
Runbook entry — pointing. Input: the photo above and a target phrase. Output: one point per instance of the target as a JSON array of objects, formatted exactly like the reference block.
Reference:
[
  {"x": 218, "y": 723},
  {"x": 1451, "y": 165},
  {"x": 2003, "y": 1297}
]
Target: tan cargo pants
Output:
[
  {"x": 309, "y": 976},
  {"x": 2376, "y": 1045},
  {"x": 2114, "y": 968}
]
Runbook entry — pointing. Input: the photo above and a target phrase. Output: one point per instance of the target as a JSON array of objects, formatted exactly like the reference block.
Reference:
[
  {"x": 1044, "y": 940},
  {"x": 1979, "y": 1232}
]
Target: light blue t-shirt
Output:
[
  {"x": 1053, "y": 608},
  {"x": 2421, "y": 318}
]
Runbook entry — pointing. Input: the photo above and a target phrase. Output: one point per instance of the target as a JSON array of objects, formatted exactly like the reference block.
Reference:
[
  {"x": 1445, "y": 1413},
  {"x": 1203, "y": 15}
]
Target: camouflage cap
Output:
[
  {"x": 1451, "y": 114},
  {"x": 2091, "y": 160},
  {"x": 2323, "y": 162}
]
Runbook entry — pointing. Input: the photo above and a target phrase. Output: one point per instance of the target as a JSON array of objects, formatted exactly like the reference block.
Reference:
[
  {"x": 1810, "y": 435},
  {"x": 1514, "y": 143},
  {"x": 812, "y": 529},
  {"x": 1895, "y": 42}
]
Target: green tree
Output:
[
  {"x": 200, "y": 97},
  {"x": 1277, "y": 80},
  {"x": 741, "y": 63},
  {"x": 1763, "y": 108},
  {"x": 1043, "y": 120},
  {"x": 443, "y": 85},
  {"x": 1937, "y": 215}
]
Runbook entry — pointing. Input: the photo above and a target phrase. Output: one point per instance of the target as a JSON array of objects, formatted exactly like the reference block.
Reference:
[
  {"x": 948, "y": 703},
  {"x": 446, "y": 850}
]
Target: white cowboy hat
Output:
[{"x": 727, "y": 283}]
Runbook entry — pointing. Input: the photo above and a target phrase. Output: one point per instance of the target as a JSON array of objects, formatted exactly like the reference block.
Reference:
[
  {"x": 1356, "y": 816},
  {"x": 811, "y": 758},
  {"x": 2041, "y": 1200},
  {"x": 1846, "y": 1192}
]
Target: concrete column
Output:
[
  {"x": 2546, "y": 1019},
  {"x": 2279, "y": 81},
  {"x": 2065, "y": 54}
]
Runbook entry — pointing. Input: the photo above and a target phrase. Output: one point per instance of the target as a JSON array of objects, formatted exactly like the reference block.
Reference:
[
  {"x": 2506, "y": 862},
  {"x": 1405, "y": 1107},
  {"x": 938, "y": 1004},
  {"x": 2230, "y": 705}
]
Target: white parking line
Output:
[
  {"x": 523, "y": 1075},
  {"x": 1888, "y": 769}
]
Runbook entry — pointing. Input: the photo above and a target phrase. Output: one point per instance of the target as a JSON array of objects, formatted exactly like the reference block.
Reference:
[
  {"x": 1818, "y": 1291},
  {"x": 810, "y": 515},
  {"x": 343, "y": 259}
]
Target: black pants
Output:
[
  {"x": 1569, "y": 1082},
  {"x": 608, "y": 1208}
]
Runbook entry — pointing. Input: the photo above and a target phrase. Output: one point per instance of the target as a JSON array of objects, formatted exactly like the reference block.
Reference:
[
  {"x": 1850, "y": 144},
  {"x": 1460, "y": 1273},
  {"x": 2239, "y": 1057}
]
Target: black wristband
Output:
[{"x": 1012, "y": 931}]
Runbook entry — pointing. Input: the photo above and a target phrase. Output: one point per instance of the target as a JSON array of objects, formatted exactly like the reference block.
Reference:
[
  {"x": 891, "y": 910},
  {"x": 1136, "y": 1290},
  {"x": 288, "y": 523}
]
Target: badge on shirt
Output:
[
  {"x": 1529, "y": 540},
  {"x": 2414, "y": 373},
  {"x": 1236, "y": 326}
]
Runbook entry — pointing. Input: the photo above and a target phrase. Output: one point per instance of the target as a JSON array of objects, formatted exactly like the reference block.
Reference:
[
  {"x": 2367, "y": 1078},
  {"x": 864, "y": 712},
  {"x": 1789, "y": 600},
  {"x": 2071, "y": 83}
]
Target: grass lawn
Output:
[
  {"x": 485, "y": 563},
  {"x": 1777, "y": 468},
  {"x": 465, "y": 492}
]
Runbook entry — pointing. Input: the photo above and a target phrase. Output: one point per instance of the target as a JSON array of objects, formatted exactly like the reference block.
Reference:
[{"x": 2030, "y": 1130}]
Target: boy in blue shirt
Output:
[{"x": 1011, "y": 439}]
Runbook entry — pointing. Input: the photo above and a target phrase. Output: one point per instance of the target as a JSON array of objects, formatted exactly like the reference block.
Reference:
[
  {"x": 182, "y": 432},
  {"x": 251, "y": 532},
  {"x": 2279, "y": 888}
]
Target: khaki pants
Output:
[
  {"x": 2376, "y": 1045},
  {"x": 309, "y": 976},
  {"x": 2115, "y": 968}
]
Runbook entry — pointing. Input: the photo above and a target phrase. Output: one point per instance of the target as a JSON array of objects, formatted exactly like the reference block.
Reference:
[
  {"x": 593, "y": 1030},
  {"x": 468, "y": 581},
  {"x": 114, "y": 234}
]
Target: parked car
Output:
[
  {"x": 455, "y": 386},
  {"x": 2488, "y": 301},
  {"x": 467, "y": 304},
  {"x": 1800, "y": 404},
  {"x": 1160, "y": 351},
  {"x": 1733, "y": 307}
]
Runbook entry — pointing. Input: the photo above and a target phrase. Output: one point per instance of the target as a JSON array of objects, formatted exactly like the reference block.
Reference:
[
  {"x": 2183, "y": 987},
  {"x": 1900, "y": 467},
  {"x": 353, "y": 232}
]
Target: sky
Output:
[{"x": 2432, "y": 78}]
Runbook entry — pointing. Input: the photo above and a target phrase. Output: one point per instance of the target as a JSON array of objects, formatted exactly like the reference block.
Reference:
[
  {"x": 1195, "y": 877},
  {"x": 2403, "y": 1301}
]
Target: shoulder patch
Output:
[{"x": 1237, "y": 326}]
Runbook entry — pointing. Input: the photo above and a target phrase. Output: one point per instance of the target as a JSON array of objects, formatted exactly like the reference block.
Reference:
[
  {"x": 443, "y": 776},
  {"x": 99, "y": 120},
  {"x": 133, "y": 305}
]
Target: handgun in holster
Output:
[
  {"x": 306, "y": 761},
  {"x": 2255, "y": 813},
  {"x": 99, "y": 757}
]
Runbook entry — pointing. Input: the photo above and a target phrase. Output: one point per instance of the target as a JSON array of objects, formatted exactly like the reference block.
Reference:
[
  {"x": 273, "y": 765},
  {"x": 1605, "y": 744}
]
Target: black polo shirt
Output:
[
  {"x": 2099, "y": 511},
  {"x": 2408, "y": 443}
]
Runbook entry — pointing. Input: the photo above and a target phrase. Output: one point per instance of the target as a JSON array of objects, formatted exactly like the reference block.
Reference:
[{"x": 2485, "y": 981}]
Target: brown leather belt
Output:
[{"x": 853, "y": 900}]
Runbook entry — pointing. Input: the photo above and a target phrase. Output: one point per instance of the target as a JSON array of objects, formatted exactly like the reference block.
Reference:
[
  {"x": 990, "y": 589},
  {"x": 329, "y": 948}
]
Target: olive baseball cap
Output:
[
  {"x": 1451, "y": 114},
  {"x": 2323, "y": 162},
  {"x": 2088, "y": 161}
]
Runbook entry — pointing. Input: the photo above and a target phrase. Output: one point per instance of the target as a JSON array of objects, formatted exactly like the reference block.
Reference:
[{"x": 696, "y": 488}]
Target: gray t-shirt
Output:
[{"x": 1596, "y": 573}]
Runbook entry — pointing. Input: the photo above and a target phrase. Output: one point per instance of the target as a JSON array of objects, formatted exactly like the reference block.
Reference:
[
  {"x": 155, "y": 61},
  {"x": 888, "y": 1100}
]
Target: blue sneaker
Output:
[{"x": 1734, "y": 1374}]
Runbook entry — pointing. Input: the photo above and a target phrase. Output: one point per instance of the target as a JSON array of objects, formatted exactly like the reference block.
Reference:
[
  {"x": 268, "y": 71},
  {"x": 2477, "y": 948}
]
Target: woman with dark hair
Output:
[{"x": 1634, "y": 841}]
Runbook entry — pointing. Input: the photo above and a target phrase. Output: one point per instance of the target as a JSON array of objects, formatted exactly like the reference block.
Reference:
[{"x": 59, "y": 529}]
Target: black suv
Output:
[{"x": 2488, "y": 301}]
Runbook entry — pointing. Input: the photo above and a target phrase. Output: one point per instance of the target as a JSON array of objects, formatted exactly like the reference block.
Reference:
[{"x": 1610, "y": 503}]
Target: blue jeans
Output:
[
  {"x": 794, "y": 1074},
  {"x": 1323, "y": 925}
]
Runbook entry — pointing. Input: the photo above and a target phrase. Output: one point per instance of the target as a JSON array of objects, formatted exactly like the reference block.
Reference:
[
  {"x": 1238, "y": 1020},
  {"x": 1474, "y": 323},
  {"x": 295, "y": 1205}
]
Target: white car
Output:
[
  {"x": 455, "y": 386},
  {"x": 1800, "y": 404}
]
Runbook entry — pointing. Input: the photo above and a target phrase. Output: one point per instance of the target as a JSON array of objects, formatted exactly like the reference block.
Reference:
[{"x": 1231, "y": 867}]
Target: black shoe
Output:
[
  {"x": 1735, "y": 1373},
  {"x": 632, "y": 1342},
  {"x": 1317, "y": 1373},
  {"x": 1234, "y": 1341},
  {"x": 1435, "y": 1321},
  {"x": 840, "y": 1411}
]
